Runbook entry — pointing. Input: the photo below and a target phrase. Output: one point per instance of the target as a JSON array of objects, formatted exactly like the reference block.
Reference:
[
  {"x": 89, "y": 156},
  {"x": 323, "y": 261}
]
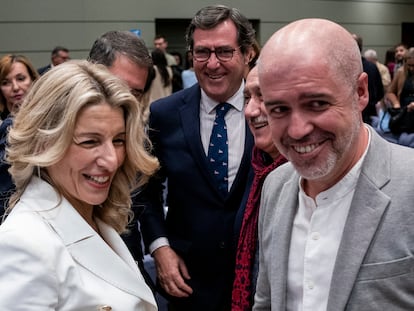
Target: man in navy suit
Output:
[{"x": 194, "y": 246}]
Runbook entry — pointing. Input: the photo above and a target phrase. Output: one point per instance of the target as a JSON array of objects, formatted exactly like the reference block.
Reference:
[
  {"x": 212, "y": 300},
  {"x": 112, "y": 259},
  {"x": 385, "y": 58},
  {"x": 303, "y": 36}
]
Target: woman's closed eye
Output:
[
  {"x": 119, "y": 141},
  {"x": 87, "y": 143}
]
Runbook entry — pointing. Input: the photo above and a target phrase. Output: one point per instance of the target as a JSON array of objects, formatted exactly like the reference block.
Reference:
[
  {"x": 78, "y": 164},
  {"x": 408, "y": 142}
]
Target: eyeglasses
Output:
[{"x": 223, "y": 54}]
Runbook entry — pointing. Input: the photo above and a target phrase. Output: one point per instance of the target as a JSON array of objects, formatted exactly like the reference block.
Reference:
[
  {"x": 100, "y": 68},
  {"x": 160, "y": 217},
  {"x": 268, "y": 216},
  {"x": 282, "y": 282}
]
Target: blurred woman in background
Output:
[
  {"x": 161, "y": 86},
  {"x": 17, "y": 75}
]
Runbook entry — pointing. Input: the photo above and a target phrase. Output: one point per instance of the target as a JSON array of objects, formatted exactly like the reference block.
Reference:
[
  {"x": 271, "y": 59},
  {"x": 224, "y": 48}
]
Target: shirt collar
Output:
[{"x": 237, "y": 100}]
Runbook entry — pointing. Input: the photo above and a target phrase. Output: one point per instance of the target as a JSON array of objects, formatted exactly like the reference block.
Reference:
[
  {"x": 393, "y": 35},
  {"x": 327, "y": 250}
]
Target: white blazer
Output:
[{"x": 51, "y": 259}]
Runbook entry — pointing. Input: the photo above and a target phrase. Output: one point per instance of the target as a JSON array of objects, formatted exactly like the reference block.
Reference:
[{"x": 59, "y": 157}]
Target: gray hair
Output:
[{"x": 371, "y": 54}]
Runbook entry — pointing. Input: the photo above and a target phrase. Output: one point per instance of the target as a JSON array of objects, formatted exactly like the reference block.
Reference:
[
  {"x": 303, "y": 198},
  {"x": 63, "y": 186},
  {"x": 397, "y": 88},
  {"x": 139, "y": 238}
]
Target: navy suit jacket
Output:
[
  {"x": 200, "y": 221},
  {"x": 375, "y": 90},
  {"x": 44, "y": 69}
]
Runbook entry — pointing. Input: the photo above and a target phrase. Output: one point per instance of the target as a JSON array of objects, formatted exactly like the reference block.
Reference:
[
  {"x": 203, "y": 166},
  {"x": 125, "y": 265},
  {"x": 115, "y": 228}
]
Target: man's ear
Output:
[
  {"x": 362, "y": 90},
  {"x": 249, "y": 55}
]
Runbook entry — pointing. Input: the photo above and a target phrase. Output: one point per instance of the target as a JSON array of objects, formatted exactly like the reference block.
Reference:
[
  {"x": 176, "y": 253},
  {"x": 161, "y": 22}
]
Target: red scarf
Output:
[{"x": 246, "y": 248}]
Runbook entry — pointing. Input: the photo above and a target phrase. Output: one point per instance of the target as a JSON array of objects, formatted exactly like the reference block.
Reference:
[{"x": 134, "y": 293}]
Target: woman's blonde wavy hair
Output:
[{"x": 43, "y": 131}]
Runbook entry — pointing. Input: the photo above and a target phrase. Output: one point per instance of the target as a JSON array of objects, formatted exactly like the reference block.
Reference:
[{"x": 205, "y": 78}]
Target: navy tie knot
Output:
[
  {"x": 218, "y": 148},
  {"x": 221, "y": 110}
]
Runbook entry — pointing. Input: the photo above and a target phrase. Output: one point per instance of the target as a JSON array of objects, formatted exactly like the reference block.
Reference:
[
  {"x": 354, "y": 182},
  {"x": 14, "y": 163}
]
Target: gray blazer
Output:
[{"x": 374, "y": 269}]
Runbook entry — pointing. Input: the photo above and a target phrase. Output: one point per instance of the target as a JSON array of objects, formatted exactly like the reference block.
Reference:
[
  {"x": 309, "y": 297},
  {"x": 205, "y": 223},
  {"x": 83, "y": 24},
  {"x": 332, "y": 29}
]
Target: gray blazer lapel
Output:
[
  {"x": 283, "y": 235},
  {"x": 361, "y": 225},
  {"x": 277, "y": 224},
  {"x": 367, "y": 208}
]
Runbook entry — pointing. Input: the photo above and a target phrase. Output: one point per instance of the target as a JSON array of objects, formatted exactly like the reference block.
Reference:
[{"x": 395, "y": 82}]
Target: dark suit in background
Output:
[
  {"x": 375, "y": 90},
  {"x": 43, "y": 70},
  {"x": 59, "y": 55},
  {"x": 375, "y": 87}
]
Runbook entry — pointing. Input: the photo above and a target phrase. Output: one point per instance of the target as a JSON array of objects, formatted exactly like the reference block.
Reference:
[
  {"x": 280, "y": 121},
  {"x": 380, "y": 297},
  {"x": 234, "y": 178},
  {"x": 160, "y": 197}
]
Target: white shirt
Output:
[
  {"x": 316, "y": 235},
  {"x": 236, "y": 127}
]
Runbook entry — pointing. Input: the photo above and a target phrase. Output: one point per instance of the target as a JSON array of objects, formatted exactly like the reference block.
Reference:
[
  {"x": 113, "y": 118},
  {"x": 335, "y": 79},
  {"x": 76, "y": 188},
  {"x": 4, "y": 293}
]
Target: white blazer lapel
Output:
[
  {"x": 108, "y": 259},
  {"x": 113, "y": 239},
  {"x": 118, "y": 246},
  {"x": 94, "y": 254}
]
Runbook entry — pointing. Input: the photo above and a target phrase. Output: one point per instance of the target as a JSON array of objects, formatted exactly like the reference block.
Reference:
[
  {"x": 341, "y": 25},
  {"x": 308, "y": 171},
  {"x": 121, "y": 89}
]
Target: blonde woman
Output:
[{"x": 76, "y": 148}]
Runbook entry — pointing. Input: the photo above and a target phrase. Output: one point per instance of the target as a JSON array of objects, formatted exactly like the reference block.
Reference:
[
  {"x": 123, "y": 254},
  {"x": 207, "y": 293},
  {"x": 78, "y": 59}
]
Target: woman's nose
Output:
[
  {"x": 108, "y": 157},
  {"x": 15, "y": 85}
]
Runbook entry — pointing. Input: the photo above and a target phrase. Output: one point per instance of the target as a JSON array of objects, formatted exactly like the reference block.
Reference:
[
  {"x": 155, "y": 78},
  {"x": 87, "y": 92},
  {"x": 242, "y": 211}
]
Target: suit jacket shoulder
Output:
[{"x": 44, "y": 69}]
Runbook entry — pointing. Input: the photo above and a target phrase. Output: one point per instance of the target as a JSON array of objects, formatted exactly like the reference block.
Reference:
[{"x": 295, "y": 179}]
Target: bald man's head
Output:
[
  {"x": 314, "y": 90},
  {"x": 311, "y": 40}
]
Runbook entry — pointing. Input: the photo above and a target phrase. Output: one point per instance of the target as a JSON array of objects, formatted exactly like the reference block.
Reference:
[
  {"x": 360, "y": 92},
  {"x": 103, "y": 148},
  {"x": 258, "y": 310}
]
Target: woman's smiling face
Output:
[{"x": 85, "y": 173}]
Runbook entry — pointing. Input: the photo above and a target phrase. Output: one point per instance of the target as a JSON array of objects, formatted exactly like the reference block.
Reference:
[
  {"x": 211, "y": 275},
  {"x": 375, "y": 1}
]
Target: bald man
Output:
[{"x": 336, "y": 223}]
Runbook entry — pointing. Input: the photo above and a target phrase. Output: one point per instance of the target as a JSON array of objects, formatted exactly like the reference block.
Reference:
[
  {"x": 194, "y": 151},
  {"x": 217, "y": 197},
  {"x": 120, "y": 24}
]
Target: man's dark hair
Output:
[
  {"x": 401, "y": 44},
  {"x": 210, "y": 16},
  {"x": 159, "y": 36},
  {"x": 57, "y": 49},
  {"x": 105, "y": 49}
]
